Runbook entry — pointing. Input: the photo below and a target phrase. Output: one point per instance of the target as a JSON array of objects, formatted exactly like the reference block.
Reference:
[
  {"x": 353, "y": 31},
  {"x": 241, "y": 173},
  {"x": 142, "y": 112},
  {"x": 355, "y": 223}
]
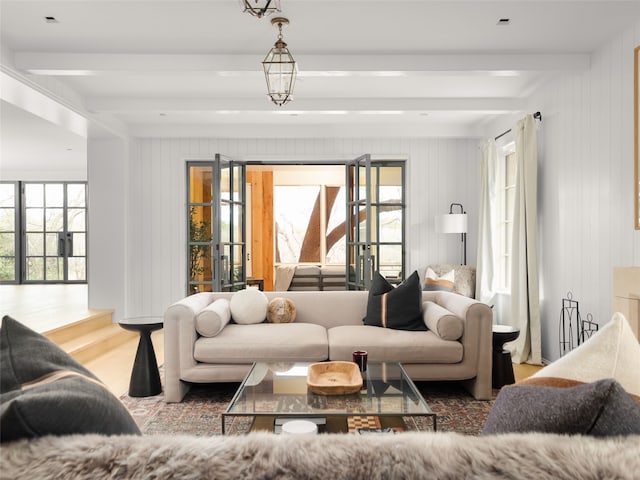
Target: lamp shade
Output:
[{"x": 451, "y": 223}]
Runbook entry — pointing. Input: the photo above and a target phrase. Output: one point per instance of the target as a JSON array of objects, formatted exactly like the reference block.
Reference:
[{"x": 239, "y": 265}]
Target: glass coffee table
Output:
[{"x": 274, "y": 392}]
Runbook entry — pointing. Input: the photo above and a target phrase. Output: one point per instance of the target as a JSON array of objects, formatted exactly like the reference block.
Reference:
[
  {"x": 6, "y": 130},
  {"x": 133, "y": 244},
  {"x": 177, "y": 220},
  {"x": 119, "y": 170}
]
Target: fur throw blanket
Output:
[{"x": 336, "y": 457}]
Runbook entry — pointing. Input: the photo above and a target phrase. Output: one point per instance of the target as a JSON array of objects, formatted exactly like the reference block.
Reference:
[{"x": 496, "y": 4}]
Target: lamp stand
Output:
[
  {"x": 464, "y": 248},
  {"x": 464, "y": 234}
]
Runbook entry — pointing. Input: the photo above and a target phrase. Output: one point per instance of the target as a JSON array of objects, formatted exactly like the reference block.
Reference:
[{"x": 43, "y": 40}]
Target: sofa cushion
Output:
[
  {"x": 396, "y": 308},
  {"x": 241, "y": 344},
  {"x": 441, "y": 321},
  {"x": 392, "y": 345},
  {"x": 436, "y": 283},
  {"x": 248, "y": 306},
  {"x": 612, "y": 352},
  {"x": 281, "y": 310},
  {"x": 44, "y": 391},
  {"x": 211, "y": 320},
  {"x": 600, "y": 408}
]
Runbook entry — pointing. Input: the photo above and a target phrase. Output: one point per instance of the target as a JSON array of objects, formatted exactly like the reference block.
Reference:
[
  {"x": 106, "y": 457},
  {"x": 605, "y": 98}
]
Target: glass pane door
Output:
[
  {"x": 230, "y": 268},
  {"x": 216, "y": 253},
  {"x": 375, "y": 221},
  {"x": 55, "y": 233},
  {"x": 359, "y": 258},
  {"x": 387, "y": 213},
  {"x": 200, "y": 220}
]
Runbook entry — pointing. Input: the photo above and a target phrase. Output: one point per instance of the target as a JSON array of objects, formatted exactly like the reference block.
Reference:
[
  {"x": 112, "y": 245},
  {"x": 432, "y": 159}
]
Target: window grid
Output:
[{"x": 506, "y": 203}]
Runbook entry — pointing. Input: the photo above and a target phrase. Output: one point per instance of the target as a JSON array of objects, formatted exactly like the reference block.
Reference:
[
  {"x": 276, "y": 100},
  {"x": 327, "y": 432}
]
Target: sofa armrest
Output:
[
  {"x": 179, "y": 342},
  {"x": 477, "y": 318}
]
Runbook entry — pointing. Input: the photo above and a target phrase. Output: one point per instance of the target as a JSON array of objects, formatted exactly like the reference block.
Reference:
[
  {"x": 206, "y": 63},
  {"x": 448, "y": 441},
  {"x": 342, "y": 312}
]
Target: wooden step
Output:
[
  {"x": 88, "y": 339},
  {"x": 91, "y": 321}
]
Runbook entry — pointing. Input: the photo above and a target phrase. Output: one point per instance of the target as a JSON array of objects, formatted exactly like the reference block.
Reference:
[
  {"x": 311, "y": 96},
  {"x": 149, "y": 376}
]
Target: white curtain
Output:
[
  {"x": 485, "y": 284},
  {"x": 524, "y": 302}
]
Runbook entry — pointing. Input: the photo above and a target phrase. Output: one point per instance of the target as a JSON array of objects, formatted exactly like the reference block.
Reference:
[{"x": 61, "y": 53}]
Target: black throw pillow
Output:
[
  {"x": 44, "y": 391},
  {"x": 398, "y": 308}
]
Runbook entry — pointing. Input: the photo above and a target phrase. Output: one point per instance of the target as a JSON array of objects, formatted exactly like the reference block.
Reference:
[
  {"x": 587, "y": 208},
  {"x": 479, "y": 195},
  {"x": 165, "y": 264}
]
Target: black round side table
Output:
[
  {"x": 145, "y": 377},
  {"x": 502, "y": 371}
]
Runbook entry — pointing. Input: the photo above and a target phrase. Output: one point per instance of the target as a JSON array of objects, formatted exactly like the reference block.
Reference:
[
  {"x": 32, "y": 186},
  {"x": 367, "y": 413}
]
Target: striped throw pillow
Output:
[{"x": 434, "y": 283}]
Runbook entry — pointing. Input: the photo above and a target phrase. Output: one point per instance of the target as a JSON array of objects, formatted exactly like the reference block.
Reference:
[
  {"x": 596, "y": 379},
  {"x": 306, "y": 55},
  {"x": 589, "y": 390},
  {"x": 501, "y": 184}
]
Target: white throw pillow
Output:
[
  {"x": 612, "y": 352},
  {"x": 212, "y": 319},
  {"x": 249, "y": 306},
  {"x": 441, "y": 321}
]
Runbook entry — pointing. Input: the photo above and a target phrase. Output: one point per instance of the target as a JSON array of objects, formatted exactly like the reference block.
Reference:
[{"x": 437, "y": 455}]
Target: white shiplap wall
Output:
[
  {"x": 439, "y": 172},
  {"x": 585, "y": 184}
]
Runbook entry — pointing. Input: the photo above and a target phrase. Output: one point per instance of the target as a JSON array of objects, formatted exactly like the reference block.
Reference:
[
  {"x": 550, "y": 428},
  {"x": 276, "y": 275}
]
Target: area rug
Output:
[{"x": 200, "y": 412}]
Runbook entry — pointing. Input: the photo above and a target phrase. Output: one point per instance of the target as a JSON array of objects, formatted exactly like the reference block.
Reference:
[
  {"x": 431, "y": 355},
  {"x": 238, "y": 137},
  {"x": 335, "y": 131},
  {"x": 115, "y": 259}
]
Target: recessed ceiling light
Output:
[
  {"x": 503, "y": 21},
  {"x": 50, "y": 19},
  {"x": 162, "y": 114}
]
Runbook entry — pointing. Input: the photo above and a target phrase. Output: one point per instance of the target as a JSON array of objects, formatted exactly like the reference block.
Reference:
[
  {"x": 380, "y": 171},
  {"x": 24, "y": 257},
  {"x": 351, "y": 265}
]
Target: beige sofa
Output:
[{"x": 328, "y": 326}]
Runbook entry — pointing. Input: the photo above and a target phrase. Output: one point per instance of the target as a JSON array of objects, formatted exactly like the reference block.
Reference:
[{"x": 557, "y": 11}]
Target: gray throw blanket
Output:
[{"x": 335, "y": 457}]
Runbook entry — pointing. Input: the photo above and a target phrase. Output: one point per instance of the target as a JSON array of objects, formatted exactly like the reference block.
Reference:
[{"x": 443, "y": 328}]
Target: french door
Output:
[
  {"x": 216, "y": 210},
  {"x": 54, "y": 232},
  {"x": 375, "y": 221}
]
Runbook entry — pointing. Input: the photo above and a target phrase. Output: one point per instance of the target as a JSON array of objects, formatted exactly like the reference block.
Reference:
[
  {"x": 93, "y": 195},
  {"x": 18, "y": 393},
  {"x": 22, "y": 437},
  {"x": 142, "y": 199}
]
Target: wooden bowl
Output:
[{"x": 334, "y": 378}]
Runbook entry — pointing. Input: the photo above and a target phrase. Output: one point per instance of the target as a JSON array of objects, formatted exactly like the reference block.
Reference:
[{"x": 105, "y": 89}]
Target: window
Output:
[
  {"x": 8, "y": 232},
  {"x": 43, "y": 232},
  {"x": 506, "y": 179}
]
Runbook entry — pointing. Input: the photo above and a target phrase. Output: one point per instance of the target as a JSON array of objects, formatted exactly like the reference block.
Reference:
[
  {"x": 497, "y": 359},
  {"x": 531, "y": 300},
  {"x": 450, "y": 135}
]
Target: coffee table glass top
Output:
[{"x": 280, "y": 389}]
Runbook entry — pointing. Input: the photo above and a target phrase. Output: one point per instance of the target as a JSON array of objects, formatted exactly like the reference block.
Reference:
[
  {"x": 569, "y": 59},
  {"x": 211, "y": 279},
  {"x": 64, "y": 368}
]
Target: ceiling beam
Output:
[
  {"x": 69, "y": 64},
  {"x": 137, "y": 105},
  {"x": 271, "y": 132},
  {"x": 34, "y": 101}
]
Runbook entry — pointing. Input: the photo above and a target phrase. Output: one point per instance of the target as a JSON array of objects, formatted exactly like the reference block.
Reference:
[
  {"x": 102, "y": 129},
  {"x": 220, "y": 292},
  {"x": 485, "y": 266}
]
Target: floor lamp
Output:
[{"x": 454, "y": 223}]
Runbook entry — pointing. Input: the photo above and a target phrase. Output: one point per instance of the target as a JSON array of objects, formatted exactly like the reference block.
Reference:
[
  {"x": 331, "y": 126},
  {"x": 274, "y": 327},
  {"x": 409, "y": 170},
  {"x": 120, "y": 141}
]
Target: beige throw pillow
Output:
[
  {"x": 211, "y": 320},
  {"x": 441, "y": 321},
  {"x": 612, "y": 352},
  {"x": 281, "y": 310}
]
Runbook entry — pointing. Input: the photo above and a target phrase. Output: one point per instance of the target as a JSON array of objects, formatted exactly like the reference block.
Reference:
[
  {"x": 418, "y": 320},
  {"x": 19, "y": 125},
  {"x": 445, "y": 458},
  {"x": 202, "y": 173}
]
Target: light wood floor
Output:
[
  {"x": 523, "y": 370},
  {"x": 45, "y": 307}
]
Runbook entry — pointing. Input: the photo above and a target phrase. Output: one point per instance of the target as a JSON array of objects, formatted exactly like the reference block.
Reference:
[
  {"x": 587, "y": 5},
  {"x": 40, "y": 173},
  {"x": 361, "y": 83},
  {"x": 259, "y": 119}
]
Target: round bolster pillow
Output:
[
  {"x": 441, "y": 321},
  {"x": 211, "y": 320}
]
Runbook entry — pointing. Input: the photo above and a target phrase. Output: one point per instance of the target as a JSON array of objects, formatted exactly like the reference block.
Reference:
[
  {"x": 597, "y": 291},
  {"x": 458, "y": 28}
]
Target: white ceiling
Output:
[{"x": 367, "y": 68}]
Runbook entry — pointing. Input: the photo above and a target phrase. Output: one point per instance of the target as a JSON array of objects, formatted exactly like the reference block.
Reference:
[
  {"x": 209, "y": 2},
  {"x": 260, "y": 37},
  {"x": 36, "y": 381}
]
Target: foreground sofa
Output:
[
  {"x": 268, "y": 456},
  {"x": 328, "y": 326}
]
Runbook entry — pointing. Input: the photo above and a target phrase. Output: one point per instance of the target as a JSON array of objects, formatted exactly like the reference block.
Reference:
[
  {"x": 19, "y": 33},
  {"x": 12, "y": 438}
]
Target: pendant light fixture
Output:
[
  {"x": 260, "y": 8},
  {"x": 280, "y": 68}
]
